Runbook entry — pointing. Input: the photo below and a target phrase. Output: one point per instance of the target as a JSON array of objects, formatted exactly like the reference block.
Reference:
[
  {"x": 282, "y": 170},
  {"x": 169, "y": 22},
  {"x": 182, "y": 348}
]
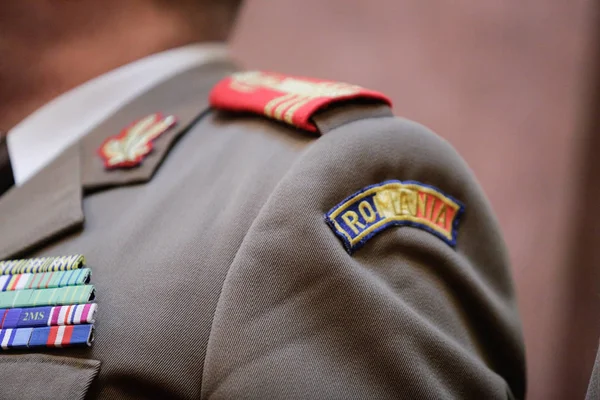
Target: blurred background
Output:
[{"x": 512, "y": 85}]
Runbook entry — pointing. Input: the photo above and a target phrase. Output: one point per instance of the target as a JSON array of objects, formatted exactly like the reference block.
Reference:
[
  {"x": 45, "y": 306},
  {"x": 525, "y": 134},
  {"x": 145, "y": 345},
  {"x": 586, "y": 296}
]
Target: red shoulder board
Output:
[{"x": 288, "y": 99}]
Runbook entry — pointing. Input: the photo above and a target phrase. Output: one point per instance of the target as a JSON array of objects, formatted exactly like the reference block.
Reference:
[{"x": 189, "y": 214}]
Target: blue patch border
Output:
[{"x": 352, "y": 248}]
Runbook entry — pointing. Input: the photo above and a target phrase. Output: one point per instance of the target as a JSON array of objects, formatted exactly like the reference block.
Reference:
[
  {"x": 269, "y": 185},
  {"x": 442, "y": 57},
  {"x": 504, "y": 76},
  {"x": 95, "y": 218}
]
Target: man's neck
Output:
[
  {"x": 34, "y": 72},
  {"x": 25, "y": 87}
]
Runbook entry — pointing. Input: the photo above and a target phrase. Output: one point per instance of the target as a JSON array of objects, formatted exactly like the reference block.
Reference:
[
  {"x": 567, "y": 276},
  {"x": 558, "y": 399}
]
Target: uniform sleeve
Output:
[{"x": 409, "y": 315}]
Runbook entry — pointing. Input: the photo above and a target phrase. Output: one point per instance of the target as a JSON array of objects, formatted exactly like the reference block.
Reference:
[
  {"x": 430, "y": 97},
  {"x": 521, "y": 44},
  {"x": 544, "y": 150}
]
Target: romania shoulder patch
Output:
[
  {"x": 291, "y": 100},
  {"x": 394, "y": 203}
]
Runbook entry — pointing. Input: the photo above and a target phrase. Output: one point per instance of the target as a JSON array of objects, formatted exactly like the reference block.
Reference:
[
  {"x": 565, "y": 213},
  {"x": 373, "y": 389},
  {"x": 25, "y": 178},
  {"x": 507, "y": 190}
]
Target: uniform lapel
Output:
[
  {"x": 50, "y": 204},
  {"x": 45, "y": 206},
  {"x": 185, "y": 97}
]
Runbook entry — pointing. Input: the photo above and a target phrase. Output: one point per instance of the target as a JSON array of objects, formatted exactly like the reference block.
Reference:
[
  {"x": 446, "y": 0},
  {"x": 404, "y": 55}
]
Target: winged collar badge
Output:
[{"x": 129, "y": 148}]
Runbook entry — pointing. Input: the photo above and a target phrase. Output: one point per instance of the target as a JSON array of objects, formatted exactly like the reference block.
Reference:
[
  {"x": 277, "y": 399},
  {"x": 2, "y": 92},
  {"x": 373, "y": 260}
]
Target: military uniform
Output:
[{"x": 222, "y": 270}]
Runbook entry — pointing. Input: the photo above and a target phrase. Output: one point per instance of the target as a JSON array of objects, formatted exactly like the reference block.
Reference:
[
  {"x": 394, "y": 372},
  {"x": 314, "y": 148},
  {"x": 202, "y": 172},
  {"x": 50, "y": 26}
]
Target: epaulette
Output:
[{"x": 297, "y": 101}]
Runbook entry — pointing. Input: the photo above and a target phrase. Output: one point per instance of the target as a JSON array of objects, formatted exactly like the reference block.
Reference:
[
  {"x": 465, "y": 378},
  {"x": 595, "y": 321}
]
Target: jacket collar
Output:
[{"x": 50, "y": 204}]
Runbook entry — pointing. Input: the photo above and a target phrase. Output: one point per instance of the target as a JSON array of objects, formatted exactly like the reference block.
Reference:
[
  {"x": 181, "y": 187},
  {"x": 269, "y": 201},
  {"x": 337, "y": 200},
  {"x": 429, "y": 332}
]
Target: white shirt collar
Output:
[{"x": 43, "y": 135}]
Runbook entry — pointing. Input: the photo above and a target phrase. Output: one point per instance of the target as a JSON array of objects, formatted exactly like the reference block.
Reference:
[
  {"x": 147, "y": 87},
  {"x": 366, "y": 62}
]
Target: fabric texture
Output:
[
  {"x": 218, "y": 277},
  {"x": 38, "y": 376}
]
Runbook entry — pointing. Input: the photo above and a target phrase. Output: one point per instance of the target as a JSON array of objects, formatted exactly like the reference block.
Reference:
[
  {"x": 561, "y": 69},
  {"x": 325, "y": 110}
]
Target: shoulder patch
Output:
[
  {"x": 394, "y": 203},
  {"x": 291, "y": 100}
]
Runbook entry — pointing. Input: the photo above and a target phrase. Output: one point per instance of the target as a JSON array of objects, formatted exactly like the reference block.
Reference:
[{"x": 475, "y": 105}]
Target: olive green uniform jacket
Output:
[{"x": 218, "y": 278}]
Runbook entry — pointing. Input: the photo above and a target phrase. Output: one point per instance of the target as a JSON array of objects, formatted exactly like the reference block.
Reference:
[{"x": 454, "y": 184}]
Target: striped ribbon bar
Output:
[
  {"x": 54, "y": 336},
  {"x": 15, "y": 338},
  {"x": 62, "y": 336},
  {"x": 44, "y": 264},
  {"x": 44, "y": 280},
  {"x": 48, "y": 316},
  {"x": 47, "y": 297}
]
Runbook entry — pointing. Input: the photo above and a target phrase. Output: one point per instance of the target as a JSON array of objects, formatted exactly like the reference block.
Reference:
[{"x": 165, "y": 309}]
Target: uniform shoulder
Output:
[
  {"x": 364, "y": 151},
  {"x": 353, "y": 123}
]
